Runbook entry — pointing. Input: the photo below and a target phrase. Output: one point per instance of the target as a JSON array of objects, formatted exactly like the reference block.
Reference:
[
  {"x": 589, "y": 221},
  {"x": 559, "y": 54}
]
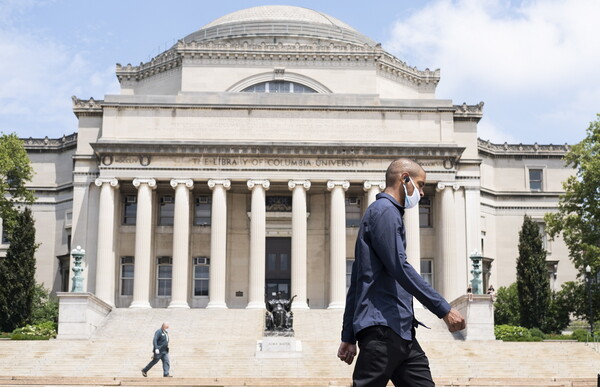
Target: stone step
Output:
[
  {"x": 212, "y": 344},
  {"x": 291, "y": 382}
]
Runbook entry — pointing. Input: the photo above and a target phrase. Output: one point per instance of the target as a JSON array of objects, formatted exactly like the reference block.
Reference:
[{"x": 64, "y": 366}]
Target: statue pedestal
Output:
[
  {"x": 278, "y": 347},
  {"x": 478, "y": 311},
  {"x": 79, "y": 314}
]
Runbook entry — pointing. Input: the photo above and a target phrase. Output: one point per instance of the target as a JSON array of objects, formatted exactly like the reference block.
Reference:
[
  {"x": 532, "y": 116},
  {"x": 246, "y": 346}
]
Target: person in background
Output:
[{"x": 160, "y": 351}]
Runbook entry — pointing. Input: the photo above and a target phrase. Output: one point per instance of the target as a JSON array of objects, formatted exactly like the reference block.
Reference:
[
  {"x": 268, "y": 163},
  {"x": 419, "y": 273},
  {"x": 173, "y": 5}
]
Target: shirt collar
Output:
[{"x": 389, "y": 197}]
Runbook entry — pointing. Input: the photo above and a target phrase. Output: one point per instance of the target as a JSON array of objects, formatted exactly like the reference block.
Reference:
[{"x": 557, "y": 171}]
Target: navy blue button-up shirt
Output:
[{"x": 383, "y": 282}]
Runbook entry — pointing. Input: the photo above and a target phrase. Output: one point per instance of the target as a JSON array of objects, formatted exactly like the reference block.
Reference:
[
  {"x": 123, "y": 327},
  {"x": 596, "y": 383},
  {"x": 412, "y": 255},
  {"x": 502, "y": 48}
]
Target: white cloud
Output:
[
  {"x": 539, "y": 45},
  {"x": 38, "y": 75},
  {"x": 537, "y": 57},
  {"x": 487, "y": 130}
]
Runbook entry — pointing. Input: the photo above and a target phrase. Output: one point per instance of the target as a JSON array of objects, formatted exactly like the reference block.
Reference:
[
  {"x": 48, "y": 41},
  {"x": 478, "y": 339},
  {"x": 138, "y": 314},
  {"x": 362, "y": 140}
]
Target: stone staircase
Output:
[{"x": 217, "y": 347}]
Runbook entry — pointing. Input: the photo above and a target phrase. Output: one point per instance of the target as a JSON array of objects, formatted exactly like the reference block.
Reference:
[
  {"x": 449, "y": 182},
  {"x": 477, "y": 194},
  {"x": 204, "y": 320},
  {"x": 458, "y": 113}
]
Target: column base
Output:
[
  {"x": 216, "y": 305},
  {"x": 178, "y": 305},
  {"x": 140, "y": 305},
  {"x": 337, "y": 305},
  {"x": 299, "y": 305},
  {"x": 256, "y": 305}
]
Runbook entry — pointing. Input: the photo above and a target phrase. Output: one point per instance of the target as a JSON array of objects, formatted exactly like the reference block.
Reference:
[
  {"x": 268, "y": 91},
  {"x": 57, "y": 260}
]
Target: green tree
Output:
[
  {"x": 506, "y": 307},
  {"x": 533, "y": 286},
  {"x": 578, "y": 215},
  {"x": 15, "y": 172},
  {"x": 17, "y": 273}
]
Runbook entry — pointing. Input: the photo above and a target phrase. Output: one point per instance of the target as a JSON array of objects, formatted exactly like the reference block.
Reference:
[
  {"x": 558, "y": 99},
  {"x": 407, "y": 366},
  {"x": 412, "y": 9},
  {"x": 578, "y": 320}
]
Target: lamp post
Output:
[
  {"x": 78, "y": 255},
  {"x": 588, "y": 271}
]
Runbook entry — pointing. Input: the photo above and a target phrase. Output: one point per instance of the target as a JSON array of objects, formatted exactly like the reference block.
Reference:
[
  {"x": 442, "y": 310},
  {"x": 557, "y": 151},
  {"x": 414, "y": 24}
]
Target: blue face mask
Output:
[{"x": 412, "y": 200}]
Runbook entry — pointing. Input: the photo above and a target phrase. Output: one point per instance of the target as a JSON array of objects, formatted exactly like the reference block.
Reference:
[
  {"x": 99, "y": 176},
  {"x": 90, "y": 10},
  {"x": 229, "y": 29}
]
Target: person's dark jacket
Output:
[{"x": 160, "y": 341}]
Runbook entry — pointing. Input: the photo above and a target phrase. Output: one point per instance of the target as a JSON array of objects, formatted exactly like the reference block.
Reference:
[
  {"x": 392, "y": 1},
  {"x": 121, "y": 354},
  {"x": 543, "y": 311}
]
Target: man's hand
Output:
[
  {"x": 455, "y": 321},
  {"x": 156, "y": 351},
  {"x": 346, "y": 352}
]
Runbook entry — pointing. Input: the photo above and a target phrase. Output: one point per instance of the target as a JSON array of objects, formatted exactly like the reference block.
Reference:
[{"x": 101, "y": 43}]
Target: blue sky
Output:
[{"x": 535, "y": 64}]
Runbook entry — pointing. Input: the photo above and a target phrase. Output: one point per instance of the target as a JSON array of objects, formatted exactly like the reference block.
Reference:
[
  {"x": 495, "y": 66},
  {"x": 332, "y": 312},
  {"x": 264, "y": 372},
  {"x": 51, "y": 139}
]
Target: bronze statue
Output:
[{"x": 279, "y": 316}]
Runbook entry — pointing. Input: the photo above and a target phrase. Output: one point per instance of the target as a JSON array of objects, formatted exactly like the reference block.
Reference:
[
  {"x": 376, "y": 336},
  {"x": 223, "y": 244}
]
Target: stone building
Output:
[{"x": 237, "y": 164}]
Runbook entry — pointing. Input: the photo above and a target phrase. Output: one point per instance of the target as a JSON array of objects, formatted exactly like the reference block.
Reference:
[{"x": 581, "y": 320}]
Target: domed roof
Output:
[{"x": 278, "y": 21}]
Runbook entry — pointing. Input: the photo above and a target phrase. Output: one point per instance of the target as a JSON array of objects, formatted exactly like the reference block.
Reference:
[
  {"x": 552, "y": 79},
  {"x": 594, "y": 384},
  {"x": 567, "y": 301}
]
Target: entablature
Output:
[
  {"x": 525, "y": 150},
  {"x": 279, "y": 53}
]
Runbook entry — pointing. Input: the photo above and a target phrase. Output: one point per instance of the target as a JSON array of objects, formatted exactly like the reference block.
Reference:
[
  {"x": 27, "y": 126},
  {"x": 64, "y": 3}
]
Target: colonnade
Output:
[{"x": 106, "y": 252}]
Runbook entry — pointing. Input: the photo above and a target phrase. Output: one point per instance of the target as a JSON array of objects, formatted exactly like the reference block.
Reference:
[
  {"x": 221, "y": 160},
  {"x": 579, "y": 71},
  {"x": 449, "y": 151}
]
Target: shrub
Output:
[
  {"x": 506, "y": 307},
  {"x": 535, "y": 332},
  {"x": 581, "y": 335},
  {"x": 45, "y": 330},
  {"x": 44, "y": 307},
  {"x": 513, "y": 333}
]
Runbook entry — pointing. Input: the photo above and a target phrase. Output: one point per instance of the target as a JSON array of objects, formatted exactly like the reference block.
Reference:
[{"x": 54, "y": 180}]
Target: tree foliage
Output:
[
  {"x": 506, "y": 307},
  {"x": 578, "y": 216},
  {"x": 17, "y": 273},
  {"x": 533, "y": 287},
  {"x": 15, "y": 172}
]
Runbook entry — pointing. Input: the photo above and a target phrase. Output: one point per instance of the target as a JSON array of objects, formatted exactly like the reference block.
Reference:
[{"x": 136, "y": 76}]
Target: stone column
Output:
[
  {"x": 472, "y": 218},
  {"x": 337, "y": 244},
  {"x": 413, "y": 242},
  {"x": 181, "y": 243},
  {"x": 448, "y": 241},
  {"x": 299, "y": 188},
  {"x": 461, "y": 246},
  {"x": 105, "y": 257},
  {"x": 256, "y": 285},
  {"x": 373, "y": 188},
  {"x": 218, "y": 244},
  {"x": 143, "y": 243}
]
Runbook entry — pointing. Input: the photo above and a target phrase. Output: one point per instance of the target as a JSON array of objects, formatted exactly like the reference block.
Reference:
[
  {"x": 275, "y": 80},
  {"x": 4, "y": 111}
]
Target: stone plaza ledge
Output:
[
  {"x": 478, "y": 311},
  {"x": 79, "y": 314}
]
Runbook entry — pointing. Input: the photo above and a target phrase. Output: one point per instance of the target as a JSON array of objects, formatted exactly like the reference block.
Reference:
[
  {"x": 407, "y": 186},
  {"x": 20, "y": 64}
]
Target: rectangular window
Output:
[
  {"x": 353, "y": 211},
  {"x": 427, "y": 270},
  {"x": 201, "y": 276},
  {"x": 425, "y": 212},
  {"x": 203, "y": 210},
  {"x": 349, "y": 263},
  {"x": 129, "y": 209},
  {"x": 4, "y": 233},
  {"x": 535, "y": 179},
  {"x": 166, "y": 210},
  {"x": 164, "y": 275},
  {"x": 127, "y": 268}
]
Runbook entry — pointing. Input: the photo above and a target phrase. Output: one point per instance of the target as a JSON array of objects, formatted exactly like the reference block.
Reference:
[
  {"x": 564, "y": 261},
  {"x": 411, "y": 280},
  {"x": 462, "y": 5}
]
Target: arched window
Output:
[{"x": 278, "y": 87}]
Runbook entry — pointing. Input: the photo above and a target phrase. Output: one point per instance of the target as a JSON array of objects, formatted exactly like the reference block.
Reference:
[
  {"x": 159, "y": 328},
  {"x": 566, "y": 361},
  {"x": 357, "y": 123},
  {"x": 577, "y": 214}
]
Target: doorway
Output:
[{"x": 278, "y": 268}]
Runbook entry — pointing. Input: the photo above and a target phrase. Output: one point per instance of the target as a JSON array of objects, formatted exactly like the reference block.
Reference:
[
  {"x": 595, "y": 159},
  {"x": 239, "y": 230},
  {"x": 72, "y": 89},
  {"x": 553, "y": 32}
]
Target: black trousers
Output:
[{"x": 384, "y": 355}]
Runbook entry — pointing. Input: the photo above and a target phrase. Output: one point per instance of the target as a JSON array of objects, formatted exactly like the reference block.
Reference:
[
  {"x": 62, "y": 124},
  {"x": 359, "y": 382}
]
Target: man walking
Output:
[
  {"x": 379, "y": 312},
  {"x": 160, "y": 350}
]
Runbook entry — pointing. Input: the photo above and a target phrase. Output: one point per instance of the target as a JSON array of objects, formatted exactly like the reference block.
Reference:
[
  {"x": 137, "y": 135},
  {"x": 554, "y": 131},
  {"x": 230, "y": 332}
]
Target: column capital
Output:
[
  {"x": 303, "y": 183},
  {"x": 367, "y": 185},
  {"x": 139, "y": 181},
  {"x": 331, "y": 184},
  {"x": 441, "y": 186},
  {"x": 226, "y": 183},
  {"x": 112, "y": 181},
  {"x": 255, "y": 183},
  {"x": 189, "y": 183}
]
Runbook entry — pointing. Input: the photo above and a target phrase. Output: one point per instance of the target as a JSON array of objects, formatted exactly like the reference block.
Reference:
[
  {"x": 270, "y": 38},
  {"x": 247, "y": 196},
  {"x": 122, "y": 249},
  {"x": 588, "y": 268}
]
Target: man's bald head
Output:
[{"x": 399, "y": 167}]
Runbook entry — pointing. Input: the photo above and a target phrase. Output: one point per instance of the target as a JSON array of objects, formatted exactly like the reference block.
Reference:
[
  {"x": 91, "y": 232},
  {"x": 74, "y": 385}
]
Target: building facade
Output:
[{"x": 236, "y": 165}]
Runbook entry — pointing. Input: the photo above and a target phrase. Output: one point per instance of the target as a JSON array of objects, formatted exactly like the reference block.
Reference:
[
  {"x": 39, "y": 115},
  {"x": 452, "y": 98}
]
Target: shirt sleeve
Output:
[
  {"x": 386, "y": 237},
  {"x": 347, "y": 326}
]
